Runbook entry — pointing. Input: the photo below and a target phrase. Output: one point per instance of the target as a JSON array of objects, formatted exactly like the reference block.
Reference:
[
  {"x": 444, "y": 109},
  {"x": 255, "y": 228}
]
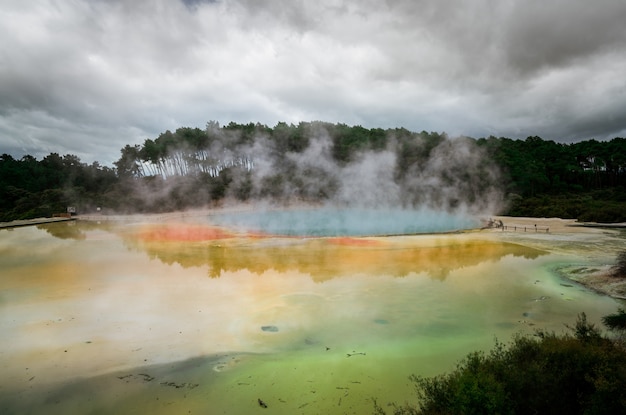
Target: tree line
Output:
[
  {"x": 31, "y": 188},
  {"x": 311, "y": 161},
  {"x": 584, "y": 180}
]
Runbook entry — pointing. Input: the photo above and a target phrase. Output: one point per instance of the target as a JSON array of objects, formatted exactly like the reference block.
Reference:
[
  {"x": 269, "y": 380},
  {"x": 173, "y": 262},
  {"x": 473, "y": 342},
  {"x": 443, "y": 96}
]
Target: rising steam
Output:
[{"x": 441, "y": 182}]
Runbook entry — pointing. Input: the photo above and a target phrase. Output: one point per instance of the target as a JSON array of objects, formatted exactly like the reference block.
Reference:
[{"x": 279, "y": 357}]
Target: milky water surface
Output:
[
  {"x": 174, "y": 318},
  {"x": 346, "y": 222}
]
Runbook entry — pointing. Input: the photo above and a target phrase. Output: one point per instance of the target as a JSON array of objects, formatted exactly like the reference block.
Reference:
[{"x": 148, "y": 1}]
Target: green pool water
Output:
[{"x": 105, "y": 318}]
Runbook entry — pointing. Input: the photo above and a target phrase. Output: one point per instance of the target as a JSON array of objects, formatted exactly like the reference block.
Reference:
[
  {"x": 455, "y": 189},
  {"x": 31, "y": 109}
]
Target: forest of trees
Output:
[
  {"x": 31, "y": 188},
  {"x": 317, "y": 162}
]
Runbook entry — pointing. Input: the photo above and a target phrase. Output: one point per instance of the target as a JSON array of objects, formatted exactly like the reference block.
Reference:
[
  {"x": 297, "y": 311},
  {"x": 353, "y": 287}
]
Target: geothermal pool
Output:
[
  {"x": 330, "y": 221},
  {"x": 179, "y": 315}
]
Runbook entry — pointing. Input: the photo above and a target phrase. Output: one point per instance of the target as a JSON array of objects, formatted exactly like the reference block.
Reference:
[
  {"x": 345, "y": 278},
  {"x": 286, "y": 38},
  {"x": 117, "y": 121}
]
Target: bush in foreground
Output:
[
  {"x": 616, "y": 322},
  {"x": 578, "y": 373},
  {"x": 619, "y": 269}
]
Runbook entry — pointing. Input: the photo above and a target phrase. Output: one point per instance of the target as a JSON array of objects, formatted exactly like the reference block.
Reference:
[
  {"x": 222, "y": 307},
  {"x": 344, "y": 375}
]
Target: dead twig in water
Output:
[{"x": 355, "y": 354}]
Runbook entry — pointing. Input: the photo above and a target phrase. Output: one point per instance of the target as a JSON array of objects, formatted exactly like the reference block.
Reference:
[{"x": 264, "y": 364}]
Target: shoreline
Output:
[
  {"x": 557, "y": 225},
  {"x": 618, "y": 225},
  {"x": 510, "y": 221},
  {"x": 598, "y": 280},
  {"x": 31, "y": 222}
]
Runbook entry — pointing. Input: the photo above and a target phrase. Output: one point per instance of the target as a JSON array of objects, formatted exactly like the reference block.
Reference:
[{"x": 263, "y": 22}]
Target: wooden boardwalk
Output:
[{"x": 526, "y": 228}]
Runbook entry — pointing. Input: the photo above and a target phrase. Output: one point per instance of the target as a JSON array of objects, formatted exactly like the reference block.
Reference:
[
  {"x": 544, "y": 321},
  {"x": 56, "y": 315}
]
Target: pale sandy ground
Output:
[
  {"x": 600, "y": 279},
  {"x": 556, "y": 225}
]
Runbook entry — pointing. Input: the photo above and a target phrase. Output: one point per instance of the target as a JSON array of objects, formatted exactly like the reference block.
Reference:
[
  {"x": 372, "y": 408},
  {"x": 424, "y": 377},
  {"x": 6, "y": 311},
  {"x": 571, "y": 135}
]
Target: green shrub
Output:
[
  {"x": 619, "y": 269},
  {"x": 617, "y": 321},
  {"x": 578, "y": 373}
]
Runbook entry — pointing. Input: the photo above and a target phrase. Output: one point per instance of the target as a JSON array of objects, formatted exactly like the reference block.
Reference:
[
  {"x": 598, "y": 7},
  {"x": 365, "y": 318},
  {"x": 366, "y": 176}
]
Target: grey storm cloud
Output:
[{"x": 88, "y": 76}]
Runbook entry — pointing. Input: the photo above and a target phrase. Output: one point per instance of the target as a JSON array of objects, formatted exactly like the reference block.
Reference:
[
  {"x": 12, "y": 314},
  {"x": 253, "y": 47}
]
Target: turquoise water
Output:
[{"x": 346, "y": 222}]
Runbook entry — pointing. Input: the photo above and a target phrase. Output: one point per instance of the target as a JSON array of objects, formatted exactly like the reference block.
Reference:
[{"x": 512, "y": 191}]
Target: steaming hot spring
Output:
[
  {"x": 329, "y": 222},
  {"x": 307, "y": 310}
]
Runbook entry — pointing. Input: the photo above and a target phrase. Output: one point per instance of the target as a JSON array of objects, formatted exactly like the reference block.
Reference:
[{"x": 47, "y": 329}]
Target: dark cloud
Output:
[
  {"x": 88, "y": 77},
  {"x": 560, "y": 33}
]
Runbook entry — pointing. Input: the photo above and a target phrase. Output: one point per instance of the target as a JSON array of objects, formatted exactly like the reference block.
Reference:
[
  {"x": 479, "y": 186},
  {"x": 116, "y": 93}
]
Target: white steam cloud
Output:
[{"x": 409, "y": 179}]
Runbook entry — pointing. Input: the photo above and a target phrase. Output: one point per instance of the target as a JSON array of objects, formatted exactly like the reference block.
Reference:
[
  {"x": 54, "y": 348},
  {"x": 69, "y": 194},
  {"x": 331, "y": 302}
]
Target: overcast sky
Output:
[{"x": 87, "y": 77}]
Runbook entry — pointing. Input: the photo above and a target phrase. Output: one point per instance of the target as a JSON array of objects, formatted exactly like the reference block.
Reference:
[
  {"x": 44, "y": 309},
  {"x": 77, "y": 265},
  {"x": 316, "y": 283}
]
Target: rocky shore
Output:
[{"x": 600, "y": 279}]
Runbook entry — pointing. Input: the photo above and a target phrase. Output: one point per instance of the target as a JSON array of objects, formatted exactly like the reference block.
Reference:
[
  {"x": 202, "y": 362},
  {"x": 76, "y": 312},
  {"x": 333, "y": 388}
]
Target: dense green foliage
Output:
[
  {"x": 617, "y": 321},
  {"x": 308, "y": 162},
  {"x": 585, "y": 180},
  {"x": 578, "y": 373},
  {"x": 31, "y": 188}
]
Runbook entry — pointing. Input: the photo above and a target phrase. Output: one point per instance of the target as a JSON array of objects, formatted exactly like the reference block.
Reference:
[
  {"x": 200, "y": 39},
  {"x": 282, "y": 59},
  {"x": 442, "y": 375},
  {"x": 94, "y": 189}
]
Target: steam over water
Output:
[
  {"x": 346, "y": 222},
  {"x": 318, "y": 164},
  {"x": 183, "y": 316}
]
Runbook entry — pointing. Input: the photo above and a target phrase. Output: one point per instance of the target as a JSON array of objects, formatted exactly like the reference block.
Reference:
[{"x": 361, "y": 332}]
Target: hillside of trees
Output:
[{"x": 317, "y": 162}]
